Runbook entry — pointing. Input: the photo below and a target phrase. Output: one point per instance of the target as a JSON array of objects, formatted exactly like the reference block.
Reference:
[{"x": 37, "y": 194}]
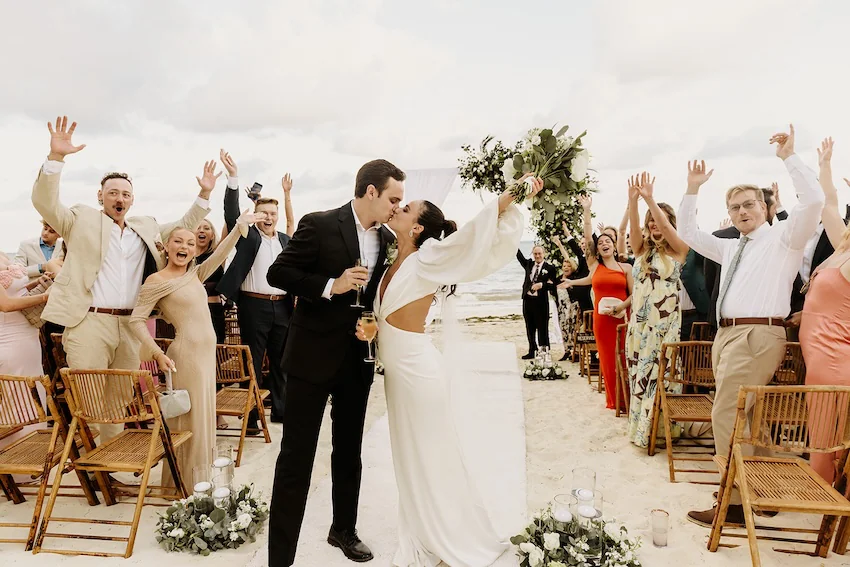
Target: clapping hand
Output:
[
  {"x": 207, "y": 181},
  {"x": 697, "y": 174},
  {"x": 60, "y": 139},
  {"x": 784, "y": 143}
]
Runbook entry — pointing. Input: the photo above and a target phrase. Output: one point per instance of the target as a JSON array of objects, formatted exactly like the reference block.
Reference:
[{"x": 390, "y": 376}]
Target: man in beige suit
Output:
[
  {"x": 35, "y": 253},
  {"x": 109, "y": 255}
]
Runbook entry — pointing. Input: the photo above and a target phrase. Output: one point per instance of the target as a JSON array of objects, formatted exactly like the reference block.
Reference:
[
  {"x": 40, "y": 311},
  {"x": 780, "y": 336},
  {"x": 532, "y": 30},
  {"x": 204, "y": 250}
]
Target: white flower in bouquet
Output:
[
  {"x": 546, "y": 372},
  {"x": 176, "y": 533},
  {"x": 234, "y": 536},
  {"x": 535, "y": 554},
  {"x": 551, "y": 542},
  {"x": 580, "y": 163},
  {"x": 244, "y": 520},
  {"x": 613, "y": 532}
]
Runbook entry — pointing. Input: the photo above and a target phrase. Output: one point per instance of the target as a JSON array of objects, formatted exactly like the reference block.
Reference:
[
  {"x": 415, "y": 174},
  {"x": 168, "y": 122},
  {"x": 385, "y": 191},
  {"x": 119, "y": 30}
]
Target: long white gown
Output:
[{"x": 441, "y": 515}]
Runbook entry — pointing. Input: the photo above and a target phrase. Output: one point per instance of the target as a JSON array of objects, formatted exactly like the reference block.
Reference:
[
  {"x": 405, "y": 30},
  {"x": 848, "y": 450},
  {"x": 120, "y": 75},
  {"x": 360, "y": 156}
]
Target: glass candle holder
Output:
[
  {"x": 585, "y": 478},
  {"x": 561, "y": 505},
  {"x": 221, "y": 497},
  {"x": 660, "y": 521},
  {"x": 223, "y": 467}
]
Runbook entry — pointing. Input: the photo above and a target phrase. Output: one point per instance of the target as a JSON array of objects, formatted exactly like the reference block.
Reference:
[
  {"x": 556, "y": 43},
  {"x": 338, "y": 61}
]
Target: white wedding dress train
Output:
[{"x": 441, "y": 514}]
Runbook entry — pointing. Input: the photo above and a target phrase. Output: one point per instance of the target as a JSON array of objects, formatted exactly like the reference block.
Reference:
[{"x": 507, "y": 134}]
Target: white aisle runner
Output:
[{"x": 491, "y": 423}]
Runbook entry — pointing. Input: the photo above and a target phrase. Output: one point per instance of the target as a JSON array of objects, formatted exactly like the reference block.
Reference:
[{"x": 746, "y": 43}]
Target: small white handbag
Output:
[{"x": 173, "y": 403}]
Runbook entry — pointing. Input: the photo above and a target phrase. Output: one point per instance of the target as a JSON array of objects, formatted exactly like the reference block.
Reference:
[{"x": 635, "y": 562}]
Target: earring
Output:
[{"x": 410, "y": 234}]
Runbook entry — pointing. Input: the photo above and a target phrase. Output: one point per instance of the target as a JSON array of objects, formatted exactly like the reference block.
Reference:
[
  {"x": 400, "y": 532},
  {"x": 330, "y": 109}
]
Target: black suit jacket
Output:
[
  {"x": 546, "y": 276},
  {"x": 823, "y": 250},
  {"x": 693, "y": 280},
  {"x": 321, "y": 333},
  {"x": 246, "y": 249},
  {"x": 581, "y": 293},
  {"x": 712, "y": 268}
]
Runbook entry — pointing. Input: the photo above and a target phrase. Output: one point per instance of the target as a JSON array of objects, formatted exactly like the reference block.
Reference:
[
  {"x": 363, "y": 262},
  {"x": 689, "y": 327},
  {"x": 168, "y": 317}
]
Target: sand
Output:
[{"x": 566, "y": 426}]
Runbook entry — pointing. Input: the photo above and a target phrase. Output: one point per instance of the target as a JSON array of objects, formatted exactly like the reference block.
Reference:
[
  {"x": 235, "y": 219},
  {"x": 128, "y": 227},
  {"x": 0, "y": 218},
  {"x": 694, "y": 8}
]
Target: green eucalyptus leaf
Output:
[{"x": 563, "y": 130}]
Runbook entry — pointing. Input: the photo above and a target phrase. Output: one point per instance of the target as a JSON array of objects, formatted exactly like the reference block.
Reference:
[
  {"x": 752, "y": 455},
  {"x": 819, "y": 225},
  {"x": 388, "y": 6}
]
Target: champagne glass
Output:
[
  {"x": 370, "y": 330},
  {"x": 359, "y": 263}
]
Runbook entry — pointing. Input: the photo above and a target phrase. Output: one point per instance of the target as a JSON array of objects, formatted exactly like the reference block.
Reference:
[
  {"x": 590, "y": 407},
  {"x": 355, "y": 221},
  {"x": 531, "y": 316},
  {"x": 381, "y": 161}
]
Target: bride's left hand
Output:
[{"x": 359, "y": 333}]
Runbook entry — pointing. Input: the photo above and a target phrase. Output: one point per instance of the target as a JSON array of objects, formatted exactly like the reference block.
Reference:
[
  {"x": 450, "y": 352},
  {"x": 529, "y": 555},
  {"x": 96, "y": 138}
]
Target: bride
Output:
[{"x": 441, "y": 517}]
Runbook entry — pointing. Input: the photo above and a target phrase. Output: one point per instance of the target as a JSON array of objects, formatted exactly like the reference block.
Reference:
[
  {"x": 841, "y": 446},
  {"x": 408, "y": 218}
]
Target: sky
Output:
[{"x": 318, "y": 88}]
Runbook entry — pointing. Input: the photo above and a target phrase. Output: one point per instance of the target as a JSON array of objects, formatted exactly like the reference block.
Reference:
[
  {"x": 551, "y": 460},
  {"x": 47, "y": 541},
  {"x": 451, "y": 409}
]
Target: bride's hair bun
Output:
[
  {"x": 449, "y": 226},
  {"x": 434, "y": 223}
]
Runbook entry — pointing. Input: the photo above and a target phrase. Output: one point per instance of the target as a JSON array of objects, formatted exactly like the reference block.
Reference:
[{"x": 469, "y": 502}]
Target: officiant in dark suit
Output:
[
  {"x": 540, "y": 281},
  {"x": 323, "y": 357},
  {"x": 263, "y": 310}
]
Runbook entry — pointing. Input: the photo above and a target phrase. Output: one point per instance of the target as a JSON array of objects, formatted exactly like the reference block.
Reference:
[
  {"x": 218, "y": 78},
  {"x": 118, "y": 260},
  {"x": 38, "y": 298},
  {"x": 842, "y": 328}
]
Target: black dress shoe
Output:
[
  {"x": 350, "y": 545},
  {"x": 528, "y": 356},
  {"x": 564, "y": 358}
]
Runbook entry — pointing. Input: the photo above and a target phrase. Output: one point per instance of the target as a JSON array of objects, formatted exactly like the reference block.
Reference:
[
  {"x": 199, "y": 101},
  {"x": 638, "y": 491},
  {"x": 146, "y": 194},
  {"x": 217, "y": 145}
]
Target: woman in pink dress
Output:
[{"x": 825, "y": 326}]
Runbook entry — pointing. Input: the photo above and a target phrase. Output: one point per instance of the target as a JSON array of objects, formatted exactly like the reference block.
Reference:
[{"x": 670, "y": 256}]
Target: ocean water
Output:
[{"x": 498, "y": 294}]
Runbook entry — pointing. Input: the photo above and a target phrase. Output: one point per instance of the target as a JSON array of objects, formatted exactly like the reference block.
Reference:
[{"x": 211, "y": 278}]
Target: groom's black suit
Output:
[{"x": 322, "y": 357}]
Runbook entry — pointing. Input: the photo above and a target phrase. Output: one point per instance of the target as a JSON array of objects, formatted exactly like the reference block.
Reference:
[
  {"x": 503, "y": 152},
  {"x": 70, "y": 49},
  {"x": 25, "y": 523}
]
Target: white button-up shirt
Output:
[
  {"x": 268, "y": 252},
  {"x": 369, "y": 242},
  {"x": 761, "y": 286},
  {"x": 120, "y": 277}
]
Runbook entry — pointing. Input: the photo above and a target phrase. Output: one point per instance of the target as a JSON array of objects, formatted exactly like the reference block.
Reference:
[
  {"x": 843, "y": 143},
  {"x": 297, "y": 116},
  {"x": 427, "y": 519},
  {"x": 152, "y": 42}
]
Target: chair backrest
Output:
[
  {"x": 622, "y": 329},
  {"x": 111, "y": 396},
  {"x": 587, "y": 320},
  {"x": 792, "y": 369},
  {"x": 20, "y": 403},
  {"x": 231, "y": 331},
  {"x": 233, "y": 363},
  {"x": 798, "y": 419},
  {"x": 701, "y": 331},
  {"x": 687, "y": 362}
]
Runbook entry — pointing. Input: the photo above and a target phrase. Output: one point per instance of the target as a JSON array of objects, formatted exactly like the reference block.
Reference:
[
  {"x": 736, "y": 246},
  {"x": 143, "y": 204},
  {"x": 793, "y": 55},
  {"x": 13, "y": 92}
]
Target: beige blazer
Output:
[
  {"x": 30, "y": 255},
  {"x": 86, "y": 231}
]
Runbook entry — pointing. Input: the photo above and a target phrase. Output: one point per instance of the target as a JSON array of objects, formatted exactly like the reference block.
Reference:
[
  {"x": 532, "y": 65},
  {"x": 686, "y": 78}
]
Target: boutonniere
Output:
[
  {"x": 543, "y": 272},
  {"x": 392, "y": 253}
]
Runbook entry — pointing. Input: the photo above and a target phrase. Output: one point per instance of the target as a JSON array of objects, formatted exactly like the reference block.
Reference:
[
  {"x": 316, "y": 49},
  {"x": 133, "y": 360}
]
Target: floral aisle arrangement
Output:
[
  {"x": 547, "y": 542},
  {"x": 198, "y": 525},
  {"x": 537, "y": 370},
  {"x": 560, "y": 160}
]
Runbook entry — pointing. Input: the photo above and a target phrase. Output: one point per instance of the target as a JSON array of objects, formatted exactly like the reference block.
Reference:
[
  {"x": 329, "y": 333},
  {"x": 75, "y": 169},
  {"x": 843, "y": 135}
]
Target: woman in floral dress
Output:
[{"x": 656, "y": 315}]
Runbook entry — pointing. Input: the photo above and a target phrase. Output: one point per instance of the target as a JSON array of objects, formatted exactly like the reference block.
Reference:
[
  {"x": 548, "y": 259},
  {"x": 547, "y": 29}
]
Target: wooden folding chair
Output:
[
  {"x": 34, "y": 454},
  {"x": 689, "y": 364},
  {"x": 792, "y": 369},
  {"x": 622, "y": 383},
  {"x": 701, "y": 331},
  {"x": 235, "y": 368},
  {"x": 232, "y": 333},
  {"x": 106, "y": 397}
]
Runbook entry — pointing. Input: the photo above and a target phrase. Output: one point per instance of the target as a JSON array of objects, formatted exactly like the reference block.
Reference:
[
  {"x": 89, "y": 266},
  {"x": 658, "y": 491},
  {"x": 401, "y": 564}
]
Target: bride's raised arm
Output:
[{"x": 480, "y": 247}]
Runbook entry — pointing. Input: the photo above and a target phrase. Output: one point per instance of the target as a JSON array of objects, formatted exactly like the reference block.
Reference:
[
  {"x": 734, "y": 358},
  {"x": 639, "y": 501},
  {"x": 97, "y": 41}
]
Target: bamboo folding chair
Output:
[
  {"x": 234, "y": 368},
  {"x": 587, "y": 345},
  {"x": 786, "y": 419},
  {"x": 622, "y": 383},
  {"x": 792, "y": 369},
  {"x": 689, "y": 364},
  {"x": 115, "y": 396},
  {"x": 35, "y": 454},
  {"x": 232, "y": 333},
  {"x": 701, "y": 331}
]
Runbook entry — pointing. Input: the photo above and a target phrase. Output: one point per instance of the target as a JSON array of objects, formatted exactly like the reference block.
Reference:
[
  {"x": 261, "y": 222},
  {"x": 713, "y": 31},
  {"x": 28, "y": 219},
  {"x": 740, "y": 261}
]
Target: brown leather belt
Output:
[
  {"x": 119, "y": 312},
  {"x": 265, "y": 296},
  {"x": 771, "y": 321}
]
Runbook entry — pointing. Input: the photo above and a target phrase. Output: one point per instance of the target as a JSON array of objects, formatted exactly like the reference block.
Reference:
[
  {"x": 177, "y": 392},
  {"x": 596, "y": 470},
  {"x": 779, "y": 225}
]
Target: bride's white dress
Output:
[{"x": 441, "y": 515}]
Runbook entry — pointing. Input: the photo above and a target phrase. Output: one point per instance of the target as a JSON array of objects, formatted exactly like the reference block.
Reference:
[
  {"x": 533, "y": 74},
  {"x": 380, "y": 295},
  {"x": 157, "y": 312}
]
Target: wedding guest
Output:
[
  {"x": 712, "y": 269},
  {"x": 693, "y": 296},
  {"x": 206, "y": 241},
  {"x": 538, "y": 283},
  {"x": 580, "y": 294},
  {"x": 264, "y": 311},
  {"x": 656, "y": 317},
  {"x": 825, "y": 325},
  {"x": 20, "y": 348},
  {"x": 94, "y": 295},
  {"x": 177, "y": 290},
  {"x": 608, "y": 279},
  {"x": 34, "y": 253},
  {"x": 757, "y": 273},
  {"x": 568, "y": 310}
]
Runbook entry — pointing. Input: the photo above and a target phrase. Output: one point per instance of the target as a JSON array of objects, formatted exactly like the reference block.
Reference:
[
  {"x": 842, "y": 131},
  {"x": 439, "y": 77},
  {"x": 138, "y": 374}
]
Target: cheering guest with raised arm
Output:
[
  {"x": 538, "y": 283},
  {"x": 109, "y": 255},
  {"x": 656, "y": 315},
  {"x": 757, "y": 273}
]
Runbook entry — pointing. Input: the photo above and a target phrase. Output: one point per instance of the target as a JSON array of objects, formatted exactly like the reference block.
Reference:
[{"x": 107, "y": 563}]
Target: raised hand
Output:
[
  {"x": 646, "y": 185},
  {"x": 228, "y": 163},
  {"x": 286, "y": 183},
  {"x": 784, "y": 143},
  {"x": 566, "y": 229},
  {"x": 207, "y": 182},
  {"x": 634, "y": 187},
  {"x": 586, "y": 202},
  {"x": 60, "y": 139},
  {"x": 725, "y": 223},
  {"x": 825, "y": 152},
  {"x": 248, "y": 217},
  {"x": 697, "y": 174},
  {"x": 774, "y": 190}
]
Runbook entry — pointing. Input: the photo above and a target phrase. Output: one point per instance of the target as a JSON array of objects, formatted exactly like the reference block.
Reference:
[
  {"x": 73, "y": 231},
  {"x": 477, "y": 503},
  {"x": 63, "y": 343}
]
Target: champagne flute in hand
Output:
[
  {"x": 370, "y": 330},
  {"x": 359, "y": 263}
]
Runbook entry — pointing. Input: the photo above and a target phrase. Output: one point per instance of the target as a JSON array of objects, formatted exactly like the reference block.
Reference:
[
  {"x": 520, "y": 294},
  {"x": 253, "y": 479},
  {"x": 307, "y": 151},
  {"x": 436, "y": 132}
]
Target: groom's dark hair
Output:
[{"x": 376, "y": 172}]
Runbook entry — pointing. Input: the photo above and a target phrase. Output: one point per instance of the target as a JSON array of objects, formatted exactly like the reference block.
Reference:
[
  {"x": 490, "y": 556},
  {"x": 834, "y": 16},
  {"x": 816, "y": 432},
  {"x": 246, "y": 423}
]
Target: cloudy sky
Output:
[{"x": 317, "y": 88}]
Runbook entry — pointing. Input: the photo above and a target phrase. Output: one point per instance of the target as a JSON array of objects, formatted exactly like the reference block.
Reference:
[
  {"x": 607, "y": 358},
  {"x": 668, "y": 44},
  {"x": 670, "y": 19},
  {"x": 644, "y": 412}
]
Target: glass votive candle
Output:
[
  {"x": 223, "y": 467},
  {"x": 221, "y": 497},
  {"x": 585, "y": 478},
  {"x": 660, "y": 520},
  {"x": 202, "y": 481},
  {"x": 561, "y": 508},
  {"x": 588, "y": 503}
]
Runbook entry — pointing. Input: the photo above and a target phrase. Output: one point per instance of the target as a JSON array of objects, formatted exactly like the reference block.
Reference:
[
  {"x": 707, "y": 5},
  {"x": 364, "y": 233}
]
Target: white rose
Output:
[
  {"x": 535, "y": 140},
  {"x": 551, "y": 542},
  {"x": 613, "y": 532},
  {"x": 545, "y": 372},
  {"x": 207, "y": 524},
  {"x": 234, "y": 536},
  {"x": 243, "y": 521},
  {"x": 176, "y": 533},
  {"x": 526, "y": 547},
  {"x": 579, "y": 165}
]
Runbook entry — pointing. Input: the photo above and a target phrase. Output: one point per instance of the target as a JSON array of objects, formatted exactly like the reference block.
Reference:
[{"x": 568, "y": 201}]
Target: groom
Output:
[{"x": 323, "y": 357}]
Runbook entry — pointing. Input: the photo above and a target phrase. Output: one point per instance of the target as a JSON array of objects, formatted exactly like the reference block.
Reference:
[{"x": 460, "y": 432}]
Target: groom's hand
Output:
[{"x": 351, "y": 279}]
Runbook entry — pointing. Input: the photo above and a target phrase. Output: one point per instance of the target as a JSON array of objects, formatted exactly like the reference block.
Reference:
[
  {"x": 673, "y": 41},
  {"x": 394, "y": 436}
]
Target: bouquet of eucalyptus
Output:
[
  {"x": 196, "y": 525},
  {"x": 481, "y": 169},
  {"x": 538, "y": 371}
]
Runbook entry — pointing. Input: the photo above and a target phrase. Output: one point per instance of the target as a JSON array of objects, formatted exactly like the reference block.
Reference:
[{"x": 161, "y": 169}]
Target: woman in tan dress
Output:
[{"x": 178, "y": 292}]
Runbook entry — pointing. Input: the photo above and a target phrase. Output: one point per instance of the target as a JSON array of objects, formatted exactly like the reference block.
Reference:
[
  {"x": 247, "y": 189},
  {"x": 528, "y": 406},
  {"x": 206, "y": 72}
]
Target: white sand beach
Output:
[{"x": 566, "y": 425}]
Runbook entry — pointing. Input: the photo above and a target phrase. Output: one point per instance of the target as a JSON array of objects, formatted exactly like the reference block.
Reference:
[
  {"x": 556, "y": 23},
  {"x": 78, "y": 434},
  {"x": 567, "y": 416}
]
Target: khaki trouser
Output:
[
  {"x": 102, "y": 342},
  {"x": 743, "y": 355}
]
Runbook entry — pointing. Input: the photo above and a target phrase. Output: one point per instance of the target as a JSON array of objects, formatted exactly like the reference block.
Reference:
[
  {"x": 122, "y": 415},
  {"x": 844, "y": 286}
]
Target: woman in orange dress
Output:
[
  {"x": 608, "y": 279},
  {"x": 825, "y": 326}
]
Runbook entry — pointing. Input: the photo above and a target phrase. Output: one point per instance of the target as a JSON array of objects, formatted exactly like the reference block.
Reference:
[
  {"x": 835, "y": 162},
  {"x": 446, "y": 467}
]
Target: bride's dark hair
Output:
[{"x": 434, "y": 225}]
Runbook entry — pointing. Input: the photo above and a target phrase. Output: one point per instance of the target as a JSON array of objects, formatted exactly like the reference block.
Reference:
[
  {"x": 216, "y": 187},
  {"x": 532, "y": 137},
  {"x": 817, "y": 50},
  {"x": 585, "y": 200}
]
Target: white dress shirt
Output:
[
  {"x": 685, "y": 300},
  {"x": 369, "y": 242},
  {"x": 761, "y": 286},
  {"x": 809, "y": 254}
]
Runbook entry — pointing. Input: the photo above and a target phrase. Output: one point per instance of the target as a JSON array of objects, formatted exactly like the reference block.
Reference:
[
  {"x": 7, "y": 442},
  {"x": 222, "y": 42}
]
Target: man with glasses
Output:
[{"x": 757, "y": 273}]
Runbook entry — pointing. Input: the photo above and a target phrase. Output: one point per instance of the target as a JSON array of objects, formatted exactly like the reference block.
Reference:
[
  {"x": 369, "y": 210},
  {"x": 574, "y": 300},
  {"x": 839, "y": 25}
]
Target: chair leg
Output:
[
  {"x": 617, "y": 393},
  {"x": 11, "y": 489},
  {"x": 143, "y": 486},
  {"x": 42, "y": 486},
  {"x": 244, "y": 431},
  {"x": 827, "y": 530},
  {"x": 57, "y": 481},
  {"x": 842, "y": 537},
  {"x": 263, "y": 421},
  {"x": 668, "y": 438},
  {"x": 653, "y": 428},
  {"x": 749, "y": 518}
]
